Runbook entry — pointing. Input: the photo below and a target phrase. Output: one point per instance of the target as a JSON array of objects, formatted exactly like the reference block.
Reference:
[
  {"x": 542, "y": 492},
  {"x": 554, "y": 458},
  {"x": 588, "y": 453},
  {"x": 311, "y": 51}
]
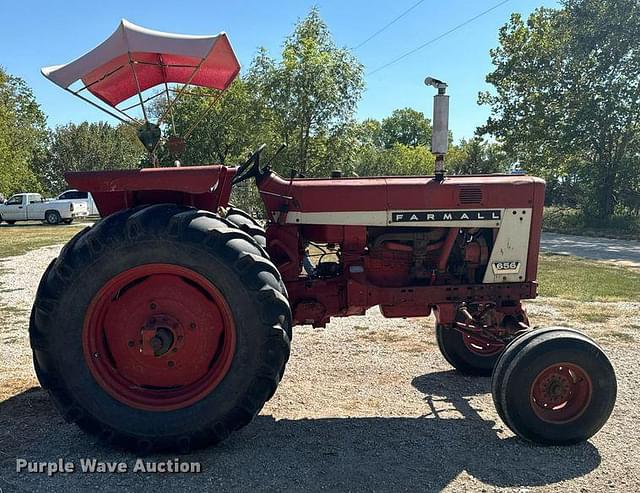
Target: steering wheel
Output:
[{"x": 250, "y": 168}]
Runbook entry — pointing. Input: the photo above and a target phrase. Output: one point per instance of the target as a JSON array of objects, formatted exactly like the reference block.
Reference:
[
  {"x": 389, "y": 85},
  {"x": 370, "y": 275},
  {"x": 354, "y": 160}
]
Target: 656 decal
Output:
[{"x": 506, "y": 267}]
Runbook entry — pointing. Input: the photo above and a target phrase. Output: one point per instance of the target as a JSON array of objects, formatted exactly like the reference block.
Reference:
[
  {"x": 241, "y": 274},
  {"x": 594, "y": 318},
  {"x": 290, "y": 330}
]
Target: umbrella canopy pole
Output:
[
  {"x": 114, "y": 115},
  {"x": 135, "y": 76},
  {"x": 184, "y": 86},
  {"x": 166, "y": 88}
]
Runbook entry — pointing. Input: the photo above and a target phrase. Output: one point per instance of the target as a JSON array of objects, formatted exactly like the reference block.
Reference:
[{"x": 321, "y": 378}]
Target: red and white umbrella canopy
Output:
[{"x": 134, "y": 59}]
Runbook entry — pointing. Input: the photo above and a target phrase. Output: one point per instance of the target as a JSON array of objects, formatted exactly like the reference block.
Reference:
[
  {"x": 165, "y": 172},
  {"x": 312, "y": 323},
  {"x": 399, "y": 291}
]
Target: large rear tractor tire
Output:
[
  {"x": 160, "y": 328},
  {"x": 554, "y": 386},
  {"x": 245, "y": 222}
]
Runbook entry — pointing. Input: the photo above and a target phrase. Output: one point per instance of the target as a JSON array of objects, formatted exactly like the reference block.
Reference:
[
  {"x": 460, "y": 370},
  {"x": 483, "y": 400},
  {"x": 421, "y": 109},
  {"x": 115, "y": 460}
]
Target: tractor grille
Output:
[{"x": 470, "y": 195}]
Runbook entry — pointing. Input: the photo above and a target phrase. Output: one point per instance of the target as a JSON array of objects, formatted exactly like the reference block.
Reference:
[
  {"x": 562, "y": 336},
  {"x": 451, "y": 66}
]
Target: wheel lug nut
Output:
[
  {"x": 171, "y": 364},
  {"x": 192, "y": 325},
  {"x": 153, "y": 306},
  {"x": 131, "y": 343}
]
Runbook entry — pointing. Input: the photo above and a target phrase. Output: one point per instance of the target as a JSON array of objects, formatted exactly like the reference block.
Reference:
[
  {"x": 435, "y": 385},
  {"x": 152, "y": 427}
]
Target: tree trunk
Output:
[{"x": 605, "y": 189}]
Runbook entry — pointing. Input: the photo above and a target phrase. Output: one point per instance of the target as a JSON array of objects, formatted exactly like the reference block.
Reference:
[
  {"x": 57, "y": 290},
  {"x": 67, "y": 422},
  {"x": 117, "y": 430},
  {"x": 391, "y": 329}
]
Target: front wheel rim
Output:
[
  {"x": 481, "y": 347},
  {"x": 159, "y": 337},
  {"x": 561, "y": 393}
]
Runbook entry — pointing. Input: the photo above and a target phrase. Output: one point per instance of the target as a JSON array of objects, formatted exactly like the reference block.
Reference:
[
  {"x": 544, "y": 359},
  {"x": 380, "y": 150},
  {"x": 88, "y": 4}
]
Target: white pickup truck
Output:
[
  {"x": 78, "y": 196},
  {"x": 32, "y": 207}
]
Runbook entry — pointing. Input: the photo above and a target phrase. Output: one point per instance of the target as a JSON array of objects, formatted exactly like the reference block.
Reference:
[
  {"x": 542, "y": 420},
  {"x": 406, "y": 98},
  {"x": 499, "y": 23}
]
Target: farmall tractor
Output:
[{"x": 167, "y": 324}]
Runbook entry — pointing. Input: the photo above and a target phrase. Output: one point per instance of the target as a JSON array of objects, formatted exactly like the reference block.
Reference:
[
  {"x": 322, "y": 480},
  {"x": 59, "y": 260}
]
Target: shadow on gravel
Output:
[{"x": 371, "y": 453}]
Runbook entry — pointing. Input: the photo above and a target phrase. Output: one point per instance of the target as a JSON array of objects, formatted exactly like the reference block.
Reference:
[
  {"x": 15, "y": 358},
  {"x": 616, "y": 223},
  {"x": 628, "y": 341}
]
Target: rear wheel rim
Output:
[
  {"x": 159, "y": 337},
  {"x": 561, "y": 393}
]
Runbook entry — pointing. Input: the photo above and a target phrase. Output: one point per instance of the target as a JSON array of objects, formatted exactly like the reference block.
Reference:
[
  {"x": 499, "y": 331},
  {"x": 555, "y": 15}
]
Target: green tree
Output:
[
  {"x": 369, "y": 133},
  {"x": 219, "y": 128},
  {"x": 307, "y": 100},
  {"x": 397, "y": 145},
  {"x": 400, "y": 159},
  {"x": 310, "y": 95},
  {"x": 406, "y": 126},
  {"x": 477, "y": 156},
  {"x": 22, "y": 135},
  {"x": 88, "y": 147},
  {"x": 567, "y": 95}
]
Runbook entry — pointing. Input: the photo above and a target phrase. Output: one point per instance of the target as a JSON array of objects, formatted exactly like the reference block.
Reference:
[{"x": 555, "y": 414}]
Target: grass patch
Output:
[
  {"x": 9, "y": 331},
  {"x": 595, "y": 317},
  {"x": 621, "y": 336},
  {"x": 584, "y": 280},
  {"x": 6, "y": 309},
  {"x": 384, "y": 336},
  {"x": 400, "y": 340},
  {"x": 21, "y": 238},
  {"x": 575, "y": 222}
]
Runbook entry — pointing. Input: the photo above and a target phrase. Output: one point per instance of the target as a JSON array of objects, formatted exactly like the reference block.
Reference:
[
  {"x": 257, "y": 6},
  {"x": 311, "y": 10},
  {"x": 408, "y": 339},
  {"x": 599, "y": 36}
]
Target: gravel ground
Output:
[{"x": 367, "y": 404}]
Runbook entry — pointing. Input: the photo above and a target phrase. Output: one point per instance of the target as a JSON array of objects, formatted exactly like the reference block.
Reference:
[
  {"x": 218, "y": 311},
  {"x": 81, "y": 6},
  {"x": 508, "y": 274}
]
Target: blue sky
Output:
[{"x": 40, "y": 33}]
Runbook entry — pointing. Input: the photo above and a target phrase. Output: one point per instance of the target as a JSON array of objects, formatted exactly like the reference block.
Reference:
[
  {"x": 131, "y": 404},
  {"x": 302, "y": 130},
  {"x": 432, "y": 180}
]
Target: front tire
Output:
[
  {"x": 179, "y": 334},
  {"x": 466, "y": 354},
  {"x": 554, "y": 386}
]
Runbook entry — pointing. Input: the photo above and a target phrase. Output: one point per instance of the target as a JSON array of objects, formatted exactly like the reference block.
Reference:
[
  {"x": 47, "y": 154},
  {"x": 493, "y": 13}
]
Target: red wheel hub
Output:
[
  {"x": 159, "y": 337},
  {"x": 560, "y": 393},
  {"x": 481, "y": 347}
]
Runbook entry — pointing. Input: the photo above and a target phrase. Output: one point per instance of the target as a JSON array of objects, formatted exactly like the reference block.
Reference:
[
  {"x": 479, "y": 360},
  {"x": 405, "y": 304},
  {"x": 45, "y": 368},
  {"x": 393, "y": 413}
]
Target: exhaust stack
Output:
[{"x": 440, "y": 131}]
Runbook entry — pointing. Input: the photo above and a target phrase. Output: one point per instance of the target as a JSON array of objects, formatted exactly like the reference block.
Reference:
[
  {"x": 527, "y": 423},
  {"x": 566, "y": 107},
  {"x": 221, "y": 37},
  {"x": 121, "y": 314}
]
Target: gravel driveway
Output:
[
  {"x": 367, "y": 404},
  {"x": 626, "y": 252}
]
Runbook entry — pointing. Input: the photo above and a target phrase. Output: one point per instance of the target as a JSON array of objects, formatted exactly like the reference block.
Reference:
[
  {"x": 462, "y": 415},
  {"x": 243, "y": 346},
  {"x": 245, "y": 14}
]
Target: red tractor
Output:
[{"x": 168, "y": 323}]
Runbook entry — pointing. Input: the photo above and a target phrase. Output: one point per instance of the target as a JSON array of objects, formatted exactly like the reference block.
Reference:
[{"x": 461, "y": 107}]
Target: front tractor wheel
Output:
[
  {"x": 554, "y": 386},
  {"x": 467, "y": 354},
  {"x": 161, "y": 328}
]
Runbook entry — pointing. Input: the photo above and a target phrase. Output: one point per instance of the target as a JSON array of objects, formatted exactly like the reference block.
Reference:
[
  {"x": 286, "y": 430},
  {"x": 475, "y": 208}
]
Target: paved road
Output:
[{"x": 623, "y": 251}]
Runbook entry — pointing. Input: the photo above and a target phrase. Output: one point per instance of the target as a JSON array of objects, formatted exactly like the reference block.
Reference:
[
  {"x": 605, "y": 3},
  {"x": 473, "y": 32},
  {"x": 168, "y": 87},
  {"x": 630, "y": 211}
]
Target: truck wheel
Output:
[
  {"x": 179, "y": 334},
  {"x": 466, "y": 354},
  {"x": 554, "y": 386},
  {"x": 248, "y": 224},
  {"x": 11, "y": 222},
  {"x": 52, "y": 217}
]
